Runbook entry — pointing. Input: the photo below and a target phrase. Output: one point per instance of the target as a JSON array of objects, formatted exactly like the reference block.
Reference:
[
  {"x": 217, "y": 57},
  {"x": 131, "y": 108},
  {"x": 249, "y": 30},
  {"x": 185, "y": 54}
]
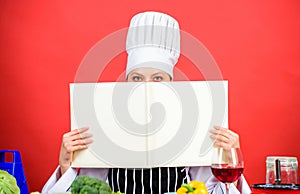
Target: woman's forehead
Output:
[{"x": 147, "y": 71}]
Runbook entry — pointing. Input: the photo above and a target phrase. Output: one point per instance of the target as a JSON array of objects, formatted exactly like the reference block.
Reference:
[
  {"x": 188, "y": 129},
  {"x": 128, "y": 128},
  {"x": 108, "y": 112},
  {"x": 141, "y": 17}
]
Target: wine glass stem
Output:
[{"x": 227, "y": 188}]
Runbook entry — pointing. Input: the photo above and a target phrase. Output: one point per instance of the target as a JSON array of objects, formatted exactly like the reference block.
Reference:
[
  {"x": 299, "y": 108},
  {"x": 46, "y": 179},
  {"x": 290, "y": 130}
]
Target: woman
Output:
[{"x": 153, "y": 44}]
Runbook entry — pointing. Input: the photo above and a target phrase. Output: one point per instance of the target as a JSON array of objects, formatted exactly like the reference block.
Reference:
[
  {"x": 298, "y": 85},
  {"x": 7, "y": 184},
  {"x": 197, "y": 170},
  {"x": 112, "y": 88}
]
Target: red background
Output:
[{"x": 255, "y": 43}]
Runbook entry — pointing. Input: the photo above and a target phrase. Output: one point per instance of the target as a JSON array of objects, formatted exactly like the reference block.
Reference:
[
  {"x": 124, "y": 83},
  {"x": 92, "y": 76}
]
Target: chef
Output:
[{"x": 153, "y": 48}]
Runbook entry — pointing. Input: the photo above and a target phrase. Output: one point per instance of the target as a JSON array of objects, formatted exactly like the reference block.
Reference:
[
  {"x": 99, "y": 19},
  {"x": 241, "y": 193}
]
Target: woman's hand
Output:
[
  {"x": 72, "y": 141},
  {"x": 225, "y": 138}
]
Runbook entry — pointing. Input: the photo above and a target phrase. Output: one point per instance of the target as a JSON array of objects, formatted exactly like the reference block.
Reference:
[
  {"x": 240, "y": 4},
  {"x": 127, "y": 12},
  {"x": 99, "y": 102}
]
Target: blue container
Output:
[{"x": 14, "y": 168}]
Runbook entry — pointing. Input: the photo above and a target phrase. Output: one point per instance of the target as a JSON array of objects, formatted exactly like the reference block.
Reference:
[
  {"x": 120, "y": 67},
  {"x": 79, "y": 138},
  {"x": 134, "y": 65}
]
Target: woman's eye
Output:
[
  {"x": 158, "y": 78},
  {"x": 136, "y": 78}
]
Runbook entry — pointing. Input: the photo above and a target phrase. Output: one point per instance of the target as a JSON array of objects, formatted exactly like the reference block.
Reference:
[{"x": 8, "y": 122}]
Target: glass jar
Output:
[{"x": 288, "y": 170}]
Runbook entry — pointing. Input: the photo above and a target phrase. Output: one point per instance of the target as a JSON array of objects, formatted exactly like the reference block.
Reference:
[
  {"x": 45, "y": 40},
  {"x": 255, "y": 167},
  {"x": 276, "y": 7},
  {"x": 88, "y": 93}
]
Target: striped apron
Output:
[{"x": 147, "y": 181}]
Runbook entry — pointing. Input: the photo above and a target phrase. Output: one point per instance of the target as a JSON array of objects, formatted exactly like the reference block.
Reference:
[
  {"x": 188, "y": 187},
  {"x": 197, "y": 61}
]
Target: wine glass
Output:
[{"x": 227, "y": 165}]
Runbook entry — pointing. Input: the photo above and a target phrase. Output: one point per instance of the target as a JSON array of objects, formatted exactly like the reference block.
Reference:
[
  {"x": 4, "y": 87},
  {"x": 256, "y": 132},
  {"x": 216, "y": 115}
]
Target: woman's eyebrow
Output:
[
  {"x": 135, "y": 73},
  {"x": 157, "y": 73}
]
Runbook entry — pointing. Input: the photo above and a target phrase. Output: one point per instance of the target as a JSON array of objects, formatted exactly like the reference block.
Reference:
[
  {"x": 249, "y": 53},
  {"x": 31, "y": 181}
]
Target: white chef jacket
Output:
[{"x": 202, "y": 173}]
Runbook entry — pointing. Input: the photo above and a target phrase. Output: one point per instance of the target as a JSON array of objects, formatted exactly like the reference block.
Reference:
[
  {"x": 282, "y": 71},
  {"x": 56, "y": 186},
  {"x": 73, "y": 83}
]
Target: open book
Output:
[{"x": 148, "y": 124}]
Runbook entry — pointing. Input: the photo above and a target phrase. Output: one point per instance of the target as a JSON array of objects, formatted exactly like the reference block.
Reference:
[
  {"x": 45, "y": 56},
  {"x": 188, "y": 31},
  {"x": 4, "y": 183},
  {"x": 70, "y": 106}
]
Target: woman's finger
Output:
[
  {"x": 78, "y": 136},
  {"x": 76, "y": 132},
  {"x": 72, "y": 146},
  {"x": 81, "y": 142},
  {"x": 85, "y": 135},
  {"x": 222, "y": 145},
  {"x": 72, "y": 149},
  {"x": 220, "y": 138}
]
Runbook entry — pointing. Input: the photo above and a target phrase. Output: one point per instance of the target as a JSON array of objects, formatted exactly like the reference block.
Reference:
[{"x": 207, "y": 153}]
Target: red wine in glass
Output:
[
  {"x": 227, "y": 175},
  {"x": 227, "y": 165}
]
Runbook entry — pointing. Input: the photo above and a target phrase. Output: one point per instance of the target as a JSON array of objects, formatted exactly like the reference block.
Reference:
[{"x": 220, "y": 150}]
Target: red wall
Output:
[{"x": 256, "y": 45}]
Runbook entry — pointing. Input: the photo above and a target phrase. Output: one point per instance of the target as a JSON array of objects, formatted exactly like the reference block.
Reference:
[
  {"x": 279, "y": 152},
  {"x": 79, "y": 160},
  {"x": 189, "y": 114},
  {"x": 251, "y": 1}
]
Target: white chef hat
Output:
[{"x": 153, "y": 40}]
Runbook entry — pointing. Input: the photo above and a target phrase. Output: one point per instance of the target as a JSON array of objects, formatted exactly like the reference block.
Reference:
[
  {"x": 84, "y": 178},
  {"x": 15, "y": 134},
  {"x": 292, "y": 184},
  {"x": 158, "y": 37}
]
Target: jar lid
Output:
[{"x": 283, "y": 159}]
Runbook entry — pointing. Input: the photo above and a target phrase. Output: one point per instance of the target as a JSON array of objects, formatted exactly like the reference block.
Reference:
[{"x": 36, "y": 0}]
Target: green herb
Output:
[{"x": 8, "y": 183}]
